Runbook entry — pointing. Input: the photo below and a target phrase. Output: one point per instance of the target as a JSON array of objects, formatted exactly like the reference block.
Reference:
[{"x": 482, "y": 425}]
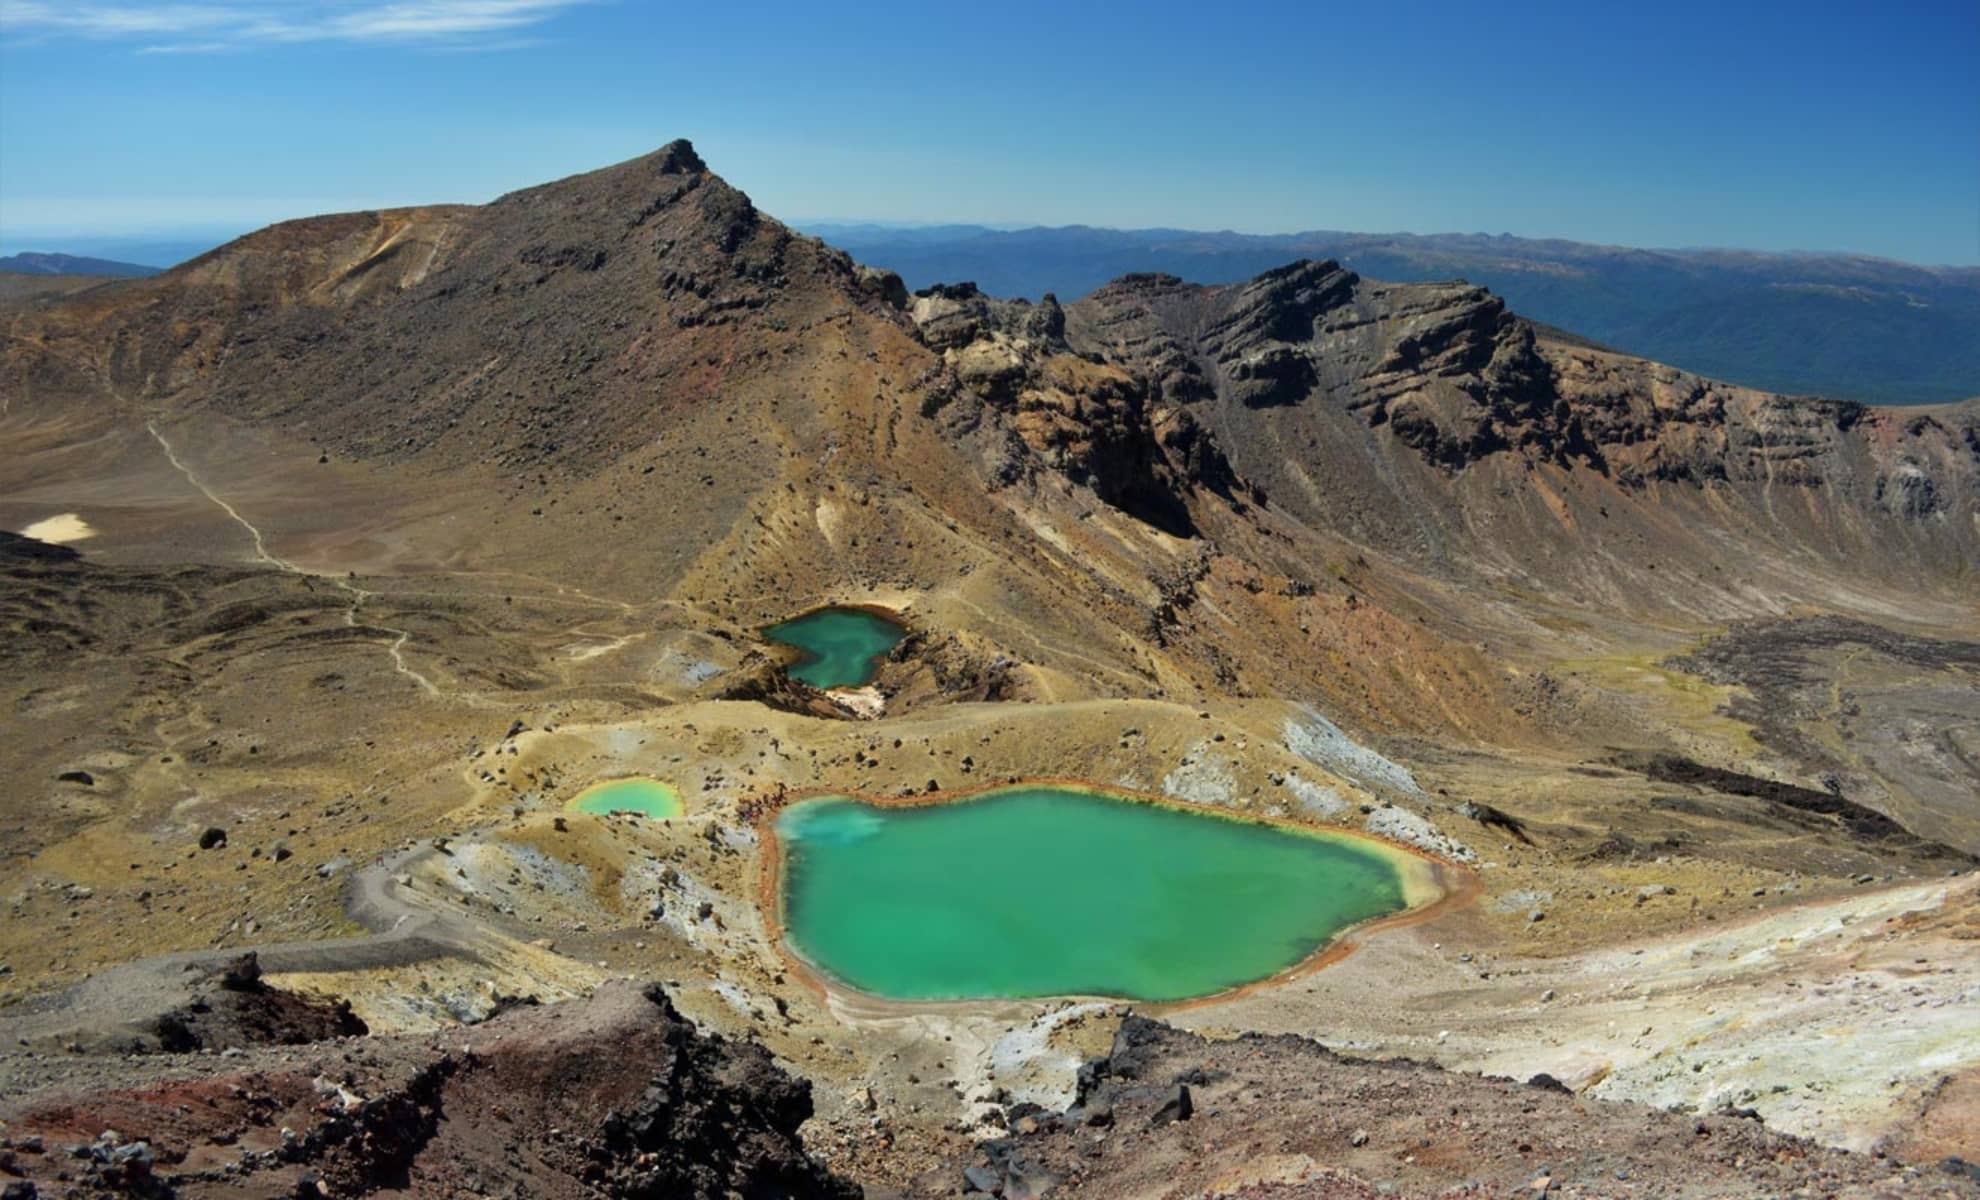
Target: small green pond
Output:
[
  {"x": 647, "y": 797},
  {"x": 839, "y": 647},
  {"x": 1048, "y": 891}
]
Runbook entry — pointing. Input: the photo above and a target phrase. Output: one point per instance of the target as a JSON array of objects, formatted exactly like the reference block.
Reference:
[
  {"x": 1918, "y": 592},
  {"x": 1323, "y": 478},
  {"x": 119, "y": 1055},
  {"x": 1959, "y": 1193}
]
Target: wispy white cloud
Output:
[
  {"x": 238, "y": 24},
  {"x": 189, "y": 48}
]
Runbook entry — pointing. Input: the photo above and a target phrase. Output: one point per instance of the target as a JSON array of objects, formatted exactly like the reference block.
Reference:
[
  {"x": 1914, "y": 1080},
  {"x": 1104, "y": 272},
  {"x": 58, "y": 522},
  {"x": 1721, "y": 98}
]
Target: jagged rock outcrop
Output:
[
  {"x": 1166, "y": 1112},
  {"x": 1330, "y": 394},
  {"x": 1457, "y": 378},
  {"x": 233, "y": 1008},
  {"x": 1420, "y": 418},
  {"x": 616, "y": 1095},
  {"x": 1099, "y": 424}
]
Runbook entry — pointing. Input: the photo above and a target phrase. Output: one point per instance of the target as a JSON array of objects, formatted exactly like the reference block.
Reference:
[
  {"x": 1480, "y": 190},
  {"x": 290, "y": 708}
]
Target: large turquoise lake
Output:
[
  {"x": 838, "y": 647},
  {"x": 1047, "y": 891}
]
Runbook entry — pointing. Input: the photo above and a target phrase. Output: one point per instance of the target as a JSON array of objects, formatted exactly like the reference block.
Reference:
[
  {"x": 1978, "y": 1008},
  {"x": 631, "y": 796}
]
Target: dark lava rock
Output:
[
  {"x": 13, "y": 545},
  {"x": 1178, "y": 1107},
  {"x": 1858, "y": 820},
  {"x": 982, "y": 1179},
  {"x": 213, "y": 839},
  {"x": 1024, "y": 1181},
  {"x": 82, "y": 777},
  {"x": 235, "y": 1009},
  {"x": 243, "y": 974},
  {"x": 613, "y": 1096},
  {"x": 721, "y": 1120}
]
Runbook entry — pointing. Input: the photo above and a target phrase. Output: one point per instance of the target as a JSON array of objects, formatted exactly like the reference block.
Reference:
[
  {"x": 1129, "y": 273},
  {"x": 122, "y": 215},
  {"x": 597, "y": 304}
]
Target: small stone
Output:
[
  {"x": 1178, "y": 1107},
  {"x": 980, "y": 1179},
  {"x": 243, "y": 974},
  {"x": 1027, "y": 1182},
  {"x": 215, "y": 838},
  {"x": 135, "y": 1156},
  {"x": 1358, "y": 1138}
]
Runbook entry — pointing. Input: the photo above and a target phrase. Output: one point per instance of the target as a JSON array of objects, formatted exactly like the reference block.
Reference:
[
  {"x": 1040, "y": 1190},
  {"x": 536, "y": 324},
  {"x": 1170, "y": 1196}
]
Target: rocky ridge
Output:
[{"x": 617, "y": 1095}]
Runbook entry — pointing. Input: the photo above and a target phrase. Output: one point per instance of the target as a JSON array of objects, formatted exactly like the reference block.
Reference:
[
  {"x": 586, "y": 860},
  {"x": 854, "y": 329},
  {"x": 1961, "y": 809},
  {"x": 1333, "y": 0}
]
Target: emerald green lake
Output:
[
  {"x": 1046, "y": 891},
  {"x": 647, "y": 797},
  {"x": 839, "y": 647}
]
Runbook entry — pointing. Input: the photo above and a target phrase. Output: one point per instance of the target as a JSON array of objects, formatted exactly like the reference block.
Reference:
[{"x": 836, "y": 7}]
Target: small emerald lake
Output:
[
  {"x": 647, "y": 797},
  {"x": 1032, "y": 891},
  {"x": 837, "y": 647}
]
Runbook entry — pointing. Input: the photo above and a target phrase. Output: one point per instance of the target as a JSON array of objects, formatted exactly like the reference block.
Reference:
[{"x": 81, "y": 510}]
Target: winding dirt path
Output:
[
  {"x": 121, "y": 1000},
  {"x": 396, "y": 649}
]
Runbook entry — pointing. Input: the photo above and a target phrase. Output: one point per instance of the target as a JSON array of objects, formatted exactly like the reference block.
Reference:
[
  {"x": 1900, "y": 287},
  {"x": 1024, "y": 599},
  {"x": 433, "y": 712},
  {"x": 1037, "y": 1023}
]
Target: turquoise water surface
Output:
[
  {"x": 647, "y": 797},
  {"x": 840, "y": 647},
  {"x": 1046, "y": 891}
]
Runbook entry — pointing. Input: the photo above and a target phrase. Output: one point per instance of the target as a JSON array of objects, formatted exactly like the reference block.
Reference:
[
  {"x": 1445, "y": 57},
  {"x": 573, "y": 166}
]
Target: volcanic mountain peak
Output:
[
  {"x": 625, "y": 196},
  {"x": 541, "y": 328},
  {"x": 677, "y": 157},
  {"x": 566, "y": 326}
]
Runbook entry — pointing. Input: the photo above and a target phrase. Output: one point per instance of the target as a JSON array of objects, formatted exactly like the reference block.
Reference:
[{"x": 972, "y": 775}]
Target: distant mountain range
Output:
[
  {"x": 1849, "y": 327},
  {"x": 34, "y": 262}
]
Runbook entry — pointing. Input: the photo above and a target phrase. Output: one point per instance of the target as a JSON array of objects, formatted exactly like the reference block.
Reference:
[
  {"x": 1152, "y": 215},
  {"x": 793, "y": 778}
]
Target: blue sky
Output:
[{"x": 1773, "y": 126}]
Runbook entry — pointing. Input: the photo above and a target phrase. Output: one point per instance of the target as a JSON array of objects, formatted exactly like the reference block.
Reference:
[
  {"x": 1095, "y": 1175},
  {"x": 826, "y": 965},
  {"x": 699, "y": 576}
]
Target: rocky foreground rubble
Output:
[
  {"x": 1168, "y": 1113},
  {"x": 617, "y": 1095}
]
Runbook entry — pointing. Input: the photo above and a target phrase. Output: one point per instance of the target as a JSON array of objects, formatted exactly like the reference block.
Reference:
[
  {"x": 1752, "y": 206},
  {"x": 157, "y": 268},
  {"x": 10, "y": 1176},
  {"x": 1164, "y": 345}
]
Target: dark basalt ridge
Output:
[{"x": 617, "y": 1095}]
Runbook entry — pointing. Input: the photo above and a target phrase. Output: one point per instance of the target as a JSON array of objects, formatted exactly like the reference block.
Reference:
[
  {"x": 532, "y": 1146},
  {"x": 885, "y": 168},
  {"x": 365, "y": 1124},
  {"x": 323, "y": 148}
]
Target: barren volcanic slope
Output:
[{"x": 387, "y": 534}]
